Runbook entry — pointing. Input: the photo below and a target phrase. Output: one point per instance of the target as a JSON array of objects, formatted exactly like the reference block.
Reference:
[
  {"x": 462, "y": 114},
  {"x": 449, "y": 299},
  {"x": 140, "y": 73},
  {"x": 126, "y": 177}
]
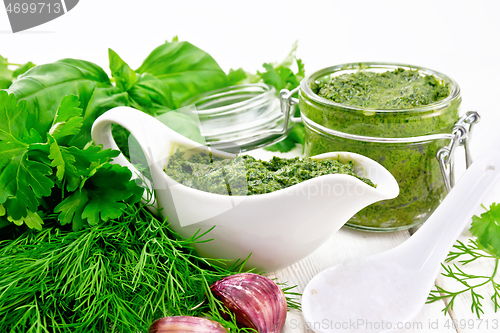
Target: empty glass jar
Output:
[{"x": 240, "y": 118}]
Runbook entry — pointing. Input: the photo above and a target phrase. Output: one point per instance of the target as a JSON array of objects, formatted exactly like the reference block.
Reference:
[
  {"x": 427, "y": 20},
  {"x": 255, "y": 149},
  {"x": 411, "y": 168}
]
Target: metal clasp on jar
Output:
[
  {"x": 286, "y": 102},
  {"x": 462, "y": 132}
]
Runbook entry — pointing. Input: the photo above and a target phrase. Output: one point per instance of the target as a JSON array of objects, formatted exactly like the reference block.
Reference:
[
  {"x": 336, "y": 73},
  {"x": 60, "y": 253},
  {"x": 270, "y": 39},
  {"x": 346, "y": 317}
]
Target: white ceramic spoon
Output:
[{"x": 380, "y": 293}]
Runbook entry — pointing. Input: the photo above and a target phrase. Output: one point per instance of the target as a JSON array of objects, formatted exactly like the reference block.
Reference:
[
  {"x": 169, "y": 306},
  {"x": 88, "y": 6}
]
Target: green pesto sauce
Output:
[
  {"x": 246, "y": 175},
  {"x": 414, "y": 165},
  {"x": 391, "y": 90}
]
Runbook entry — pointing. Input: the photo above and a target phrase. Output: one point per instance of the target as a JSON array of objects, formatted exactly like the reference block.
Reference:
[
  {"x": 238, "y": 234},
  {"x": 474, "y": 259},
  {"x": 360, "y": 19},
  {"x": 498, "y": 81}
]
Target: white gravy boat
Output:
[{"x": 277, "y": 228}]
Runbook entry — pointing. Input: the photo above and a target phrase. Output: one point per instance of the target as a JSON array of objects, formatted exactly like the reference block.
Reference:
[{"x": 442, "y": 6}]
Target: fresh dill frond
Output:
[
  {"x": 292, "y": 298},
  {"x": 117, "y": 276},
  {"x": 470, "y": 282},
  {"x": 486, "y": 229}
]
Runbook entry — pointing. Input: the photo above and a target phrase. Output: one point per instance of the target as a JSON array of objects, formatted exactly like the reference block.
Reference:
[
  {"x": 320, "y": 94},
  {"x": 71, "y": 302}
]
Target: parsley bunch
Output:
[
  {"x": 486, "y": 246},
  {"x": 41, "y": 173}
]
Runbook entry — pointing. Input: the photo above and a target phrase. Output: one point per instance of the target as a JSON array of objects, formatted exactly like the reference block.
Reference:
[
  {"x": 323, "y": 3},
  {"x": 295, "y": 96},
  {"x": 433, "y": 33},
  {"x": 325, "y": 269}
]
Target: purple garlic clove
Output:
[
  {"x": 255, "y": 300},
  {"x": 185, "y": 324}
]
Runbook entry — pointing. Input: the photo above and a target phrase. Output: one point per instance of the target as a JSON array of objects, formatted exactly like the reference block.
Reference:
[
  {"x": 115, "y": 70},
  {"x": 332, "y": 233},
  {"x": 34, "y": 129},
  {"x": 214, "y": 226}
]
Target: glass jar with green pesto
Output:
[{"x": 390, "y": 113}]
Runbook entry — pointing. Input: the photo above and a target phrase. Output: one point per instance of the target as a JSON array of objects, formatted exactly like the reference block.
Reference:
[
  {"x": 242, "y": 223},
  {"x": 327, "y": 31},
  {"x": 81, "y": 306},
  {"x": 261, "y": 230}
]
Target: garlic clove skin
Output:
[
  {"x": 185, "y": 324},
  {"x": 255, "y": 300}
]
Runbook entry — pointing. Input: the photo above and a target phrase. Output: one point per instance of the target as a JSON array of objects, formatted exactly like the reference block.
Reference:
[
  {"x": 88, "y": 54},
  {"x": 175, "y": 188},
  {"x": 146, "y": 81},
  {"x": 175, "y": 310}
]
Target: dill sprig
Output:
[
  {"x": 292, "y": 298},
  {"x": 117, "y": 276},
  {"x": 470, "y": 282}
]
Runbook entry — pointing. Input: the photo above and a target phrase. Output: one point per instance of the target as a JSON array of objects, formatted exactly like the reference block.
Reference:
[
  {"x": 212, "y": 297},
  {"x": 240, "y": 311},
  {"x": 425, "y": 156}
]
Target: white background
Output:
[{"x": 458, "y": 38}]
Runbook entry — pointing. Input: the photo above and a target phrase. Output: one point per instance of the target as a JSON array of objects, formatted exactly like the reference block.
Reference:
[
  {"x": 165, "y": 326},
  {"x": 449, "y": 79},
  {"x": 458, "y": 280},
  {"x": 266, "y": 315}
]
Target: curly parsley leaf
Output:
[
  {"x": 74, "y": 166},
  {"x": 64, "y": 164},
  {"x": 70, "y": 210},
  {"x": 23, "y": 180},
  {"x": 280, "y": 76},
  {"x": 301, "y": 72},
  {"x": 236, "y": 76},
  {"x": 12, "y": 118},
  {"x": 25, "y": 176},
  {"x": 22, "y": 69},
  {"x": 22, "y": 183},
  {"x": 68, "y": 119},
  {"x": 100, "y": 198},
  {"x": 487, "y": 230},
  {"x": 32, "y": 220},
  {"x": 5, "y": 74},
  {"x": 91, "y": 158},
  {"x": 297, "y": 135},
  {"x": 106, "y": 200}
]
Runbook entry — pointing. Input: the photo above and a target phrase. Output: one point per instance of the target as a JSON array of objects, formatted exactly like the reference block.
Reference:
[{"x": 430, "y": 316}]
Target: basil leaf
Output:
[
  {"x": 124, "y": 76},
  {"x": 90, "y": 70},
  {"x": 150, "y": 94},
  {"x": 145, "y": 91},
  {"x": 44, "y": 87},
  {"x": 187, "y": 70}
]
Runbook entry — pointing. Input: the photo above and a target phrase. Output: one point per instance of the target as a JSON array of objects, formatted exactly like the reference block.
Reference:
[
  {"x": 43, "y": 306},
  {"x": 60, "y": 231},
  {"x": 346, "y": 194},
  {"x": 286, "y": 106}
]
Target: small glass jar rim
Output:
[
  {"x": 265, "y": 95},
  {"x": 305, "y": 86}
]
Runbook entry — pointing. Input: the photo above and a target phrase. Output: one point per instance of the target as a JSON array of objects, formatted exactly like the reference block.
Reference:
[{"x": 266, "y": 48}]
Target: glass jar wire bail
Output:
[
  {"x": 462, "y": 132},
  {"x": 287, "y": 101}
]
